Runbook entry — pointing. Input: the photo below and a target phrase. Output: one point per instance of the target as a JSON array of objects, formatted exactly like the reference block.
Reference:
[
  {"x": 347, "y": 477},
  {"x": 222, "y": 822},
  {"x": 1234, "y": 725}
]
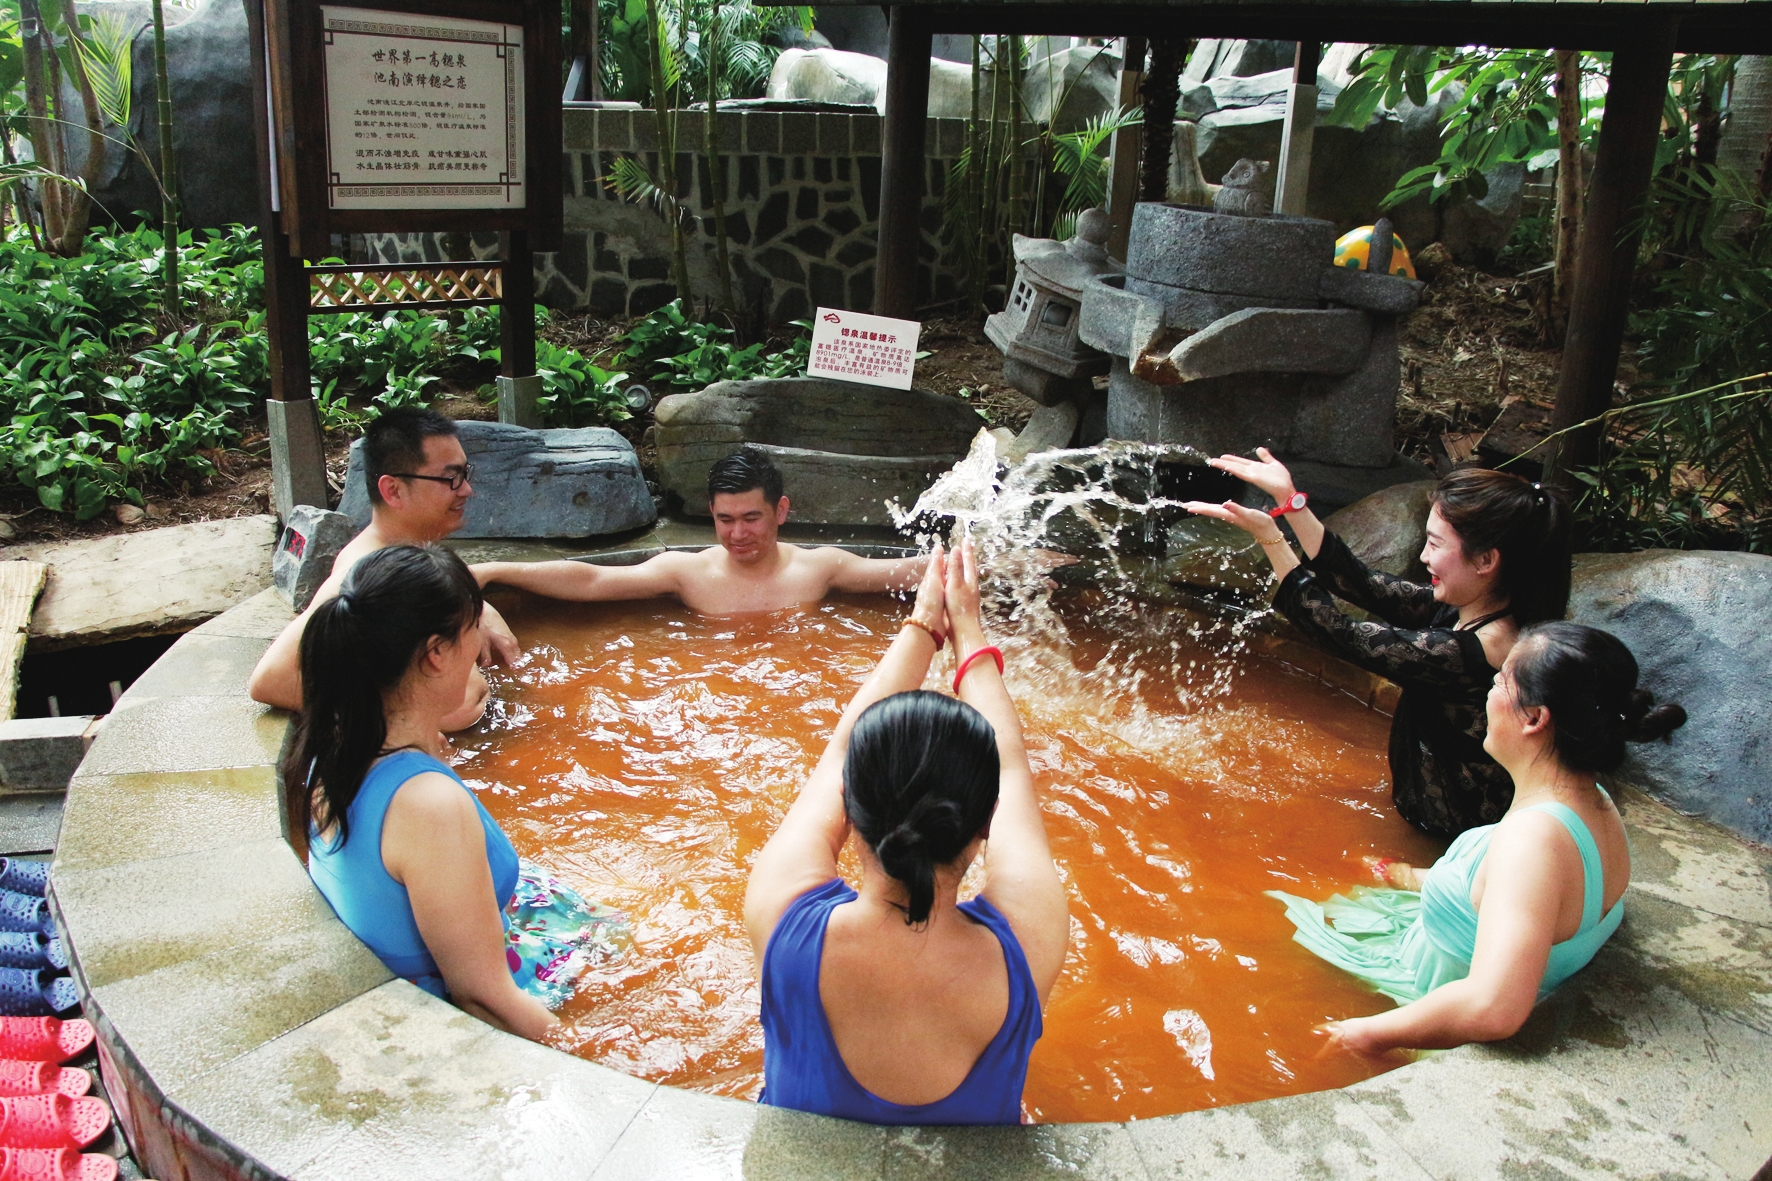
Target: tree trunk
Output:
[
  {"x": 717, "y": 165},
  {"x": 168, "y": 168},
  {"x": 667, "y": 161},
  {"x": 1569, "y": 189},
  {"x": 1161, "y": 93},
  {"x": 73, "y": 235},
  {"x": 1017, "y": 157}
]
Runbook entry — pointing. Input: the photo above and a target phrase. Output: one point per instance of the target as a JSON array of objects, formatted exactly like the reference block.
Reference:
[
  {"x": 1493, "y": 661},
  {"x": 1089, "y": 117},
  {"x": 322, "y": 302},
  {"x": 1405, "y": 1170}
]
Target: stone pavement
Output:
[{"x": 246, "y": 1033}]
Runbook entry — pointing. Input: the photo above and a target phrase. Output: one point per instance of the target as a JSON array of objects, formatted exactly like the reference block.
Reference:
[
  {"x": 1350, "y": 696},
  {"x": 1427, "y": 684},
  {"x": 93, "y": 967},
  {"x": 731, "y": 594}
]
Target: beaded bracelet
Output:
[
  {"x": 995, "y": 653},
  {"x": 940, "y": 640}
]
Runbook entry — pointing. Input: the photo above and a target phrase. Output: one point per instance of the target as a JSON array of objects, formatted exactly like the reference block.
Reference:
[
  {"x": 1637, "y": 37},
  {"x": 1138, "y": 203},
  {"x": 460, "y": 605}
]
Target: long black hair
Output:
[
  {"x": 919, "y": 782},
  {"x": 1587, "y": 678},
  {"x": 355, "y": 650},
  {"x": 1526, "y": 524}
]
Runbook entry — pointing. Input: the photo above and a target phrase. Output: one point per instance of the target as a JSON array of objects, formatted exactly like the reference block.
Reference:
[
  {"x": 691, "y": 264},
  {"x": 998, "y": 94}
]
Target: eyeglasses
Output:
[{"x": 455, "y": 482}]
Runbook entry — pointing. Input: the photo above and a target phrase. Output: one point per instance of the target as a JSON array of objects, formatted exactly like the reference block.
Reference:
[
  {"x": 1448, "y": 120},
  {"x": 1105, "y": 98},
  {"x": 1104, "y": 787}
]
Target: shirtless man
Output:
[
  {"x": 418, "y": 490},
  {"x": 749, "y": 571}
]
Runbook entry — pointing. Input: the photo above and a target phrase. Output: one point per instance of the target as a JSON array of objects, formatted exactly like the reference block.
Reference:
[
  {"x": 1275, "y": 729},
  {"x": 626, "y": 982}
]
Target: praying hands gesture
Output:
[{"x": 1271, "y": 476}]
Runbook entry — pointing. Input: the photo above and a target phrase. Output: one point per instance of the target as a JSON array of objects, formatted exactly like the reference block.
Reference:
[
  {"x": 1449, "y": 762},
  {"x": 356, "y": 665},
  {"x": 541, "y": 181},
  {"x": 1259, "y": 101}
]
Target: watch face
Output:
[{"x": 1297, "y": 501}]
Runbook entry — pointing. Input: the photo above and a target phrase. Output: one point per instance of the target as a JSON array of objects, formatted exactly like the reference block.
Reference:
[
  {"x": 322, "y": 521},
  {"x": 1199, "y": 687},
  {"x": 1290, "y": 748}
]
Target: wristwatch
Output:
[{"x": 1290, "y": 505}]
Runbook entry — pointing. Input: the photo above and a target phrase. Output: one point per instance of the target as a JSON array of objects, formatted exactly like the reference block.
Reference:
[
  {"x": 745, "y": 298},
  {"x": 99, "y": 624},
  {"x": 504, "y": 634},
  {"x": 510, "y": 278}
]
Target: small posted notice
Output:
[{"x": 854, "y": 346}]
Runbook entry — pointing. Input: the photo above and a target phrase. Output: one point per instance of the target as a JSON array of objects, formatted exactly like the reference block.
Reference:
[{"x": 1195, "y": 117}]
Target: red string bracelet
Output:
[
  {"x": 1381, "y": 869},
  {"x": 995, "y": 653}
]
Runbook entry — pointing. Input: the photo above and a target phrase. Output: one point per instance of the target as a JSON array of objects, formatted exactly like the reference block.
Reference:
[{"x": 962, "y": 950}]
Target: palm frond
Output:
[
  {"x": 107, "y": 51},
  {"x": 632, "y": 181}
]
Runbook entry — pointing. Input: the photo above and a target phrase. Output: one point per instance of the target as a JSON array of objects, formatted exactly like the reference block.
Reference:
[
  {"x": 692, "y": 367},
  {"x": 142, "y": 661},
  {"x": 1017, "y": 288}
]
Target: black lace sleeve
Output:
[
  {"x": 1407, "y": 604},
  {"x": 1434, "y": 658}
]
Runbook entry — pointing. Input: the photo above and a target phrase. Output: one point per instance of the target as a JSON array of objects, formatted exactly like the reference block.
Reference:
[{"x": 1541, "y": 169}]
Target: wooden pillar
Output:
[
  {"x": 582, "y": 81},
  {"x": 902, "y": 163},
  {"x": 1128, "y": 150},
  {"x": 298, "y": 454},
  {"x": 1611, "y": 232},
  {"x": 1299, "y": 133},
  {"x": 1161, "y": 93},
  {"x": 518, "y": 384}
]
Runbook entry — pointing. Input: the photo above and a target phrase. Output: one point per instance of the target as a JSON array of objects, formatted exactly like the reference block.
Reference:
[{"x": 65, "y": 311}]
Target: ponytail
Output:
[
  {"x": 355, "y": 651},
  {"x": 1527, "y": 525},
  {"x": 1587, "y": 679},
  {"x": 919, "y": 783}
]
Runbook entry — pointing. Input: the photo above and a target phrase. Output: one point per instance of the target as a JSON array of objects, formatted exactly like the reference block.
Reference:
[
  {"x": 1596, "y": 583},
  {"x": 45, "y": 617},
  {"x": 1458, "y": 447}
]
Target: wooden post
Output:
[
  {"x": 1611, "y": 231},
  {"x": 298, "y": 454},
  {"x": 902, "y": 164},
  {"x": 518, "y": 383},
  {"x": 1161, "y": 93},
  {"x": 1293, "y": 184},
  {"x": 1128, "y": 148}
]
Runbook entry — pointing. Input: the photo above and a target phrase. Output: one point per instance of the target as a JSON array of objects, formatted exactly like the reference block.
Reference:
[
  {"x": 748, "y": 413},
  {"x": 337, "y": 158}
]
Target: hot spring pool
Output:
[{"x": 645, "y": 753}]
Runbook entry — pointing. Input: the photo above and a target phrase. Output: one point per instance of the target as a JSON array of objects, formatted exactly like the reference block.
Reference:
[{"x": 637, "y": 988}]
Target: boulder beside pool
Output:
[
  {"x": 1700, "y": 626},
  {"x": 584, "y": 482},
  {"x": 844, "y": 449}
]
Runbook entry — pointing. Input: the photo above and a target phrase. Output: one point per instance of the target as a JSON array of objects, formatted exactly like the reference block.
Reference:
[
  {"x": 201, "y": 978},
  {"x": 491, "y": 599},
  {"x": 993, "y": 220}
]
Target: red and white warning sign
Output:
[{"x": 854, "y": 346}]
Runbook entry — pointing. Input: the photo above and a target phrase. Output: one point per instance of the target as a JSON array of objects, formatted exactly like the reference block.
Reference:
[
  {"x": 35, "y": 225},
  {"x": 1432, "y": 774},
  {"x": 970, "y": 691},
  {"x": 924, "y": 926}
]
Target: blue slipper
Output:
[
  {"x": 22, "y": 993},
  {"x": 24, "y": 877},
  {"x": 30, "y": 949},
  {"x": 62, "y": 996},
  {"x": 21, "y": 912}
]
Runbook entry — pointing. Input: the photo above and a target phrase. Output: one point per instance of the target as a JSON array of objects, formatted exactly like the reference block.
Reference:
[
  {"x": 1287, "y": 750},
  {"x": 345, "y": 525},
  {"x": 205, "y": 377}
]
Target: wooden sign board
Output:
[{"x": 419, "y": 116}]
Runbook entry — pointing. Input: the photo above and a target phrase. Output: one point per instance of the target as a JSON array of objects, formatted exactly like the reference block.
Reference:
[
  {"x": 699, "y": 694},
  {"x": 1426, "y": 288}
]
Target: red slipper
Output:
[
  {"x": 55, "y": 1164},
  {"x": 46, "y": 1039},
  {"x": 52, "y": 1121},
  {"x": 42, "y": 1078}
]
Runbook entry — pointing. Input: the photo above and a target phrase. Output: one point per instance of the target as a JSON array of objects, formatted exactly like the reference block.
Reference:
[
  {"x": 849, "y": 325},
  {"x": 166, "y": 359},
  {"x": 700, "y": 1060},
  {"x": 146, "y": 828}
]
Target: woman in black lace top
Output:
[{"x": 1498, "y": 553}]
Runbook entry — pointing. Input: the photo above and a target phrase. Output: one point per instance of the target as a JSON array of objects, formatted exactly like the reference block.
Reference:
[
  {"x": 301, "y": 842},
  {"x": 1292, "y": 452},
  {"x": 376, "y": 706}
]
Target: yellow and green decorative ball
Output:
[{"x": 1354, "y": 248}]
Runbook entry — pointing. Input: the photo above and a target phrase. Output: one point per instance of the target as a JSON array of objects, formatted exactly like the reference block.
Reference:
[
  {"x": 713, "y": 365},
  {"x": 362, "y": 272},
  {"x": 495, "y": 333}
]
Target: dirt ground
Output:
[{"x": 1472, "y": 347}]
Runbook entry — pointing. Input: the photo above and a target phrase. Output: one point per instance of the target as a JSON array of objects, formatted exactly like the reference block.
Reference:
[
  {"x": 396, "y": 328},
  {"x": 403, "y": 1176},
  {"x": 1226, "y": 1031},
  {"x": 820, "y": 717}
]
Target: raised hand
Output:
[
  {"x": 961, "y": 593},
  {"x": 1266, "y": 472},
  {"x": 930, "y": 609},
  {"x": 1251, "y": 520}
]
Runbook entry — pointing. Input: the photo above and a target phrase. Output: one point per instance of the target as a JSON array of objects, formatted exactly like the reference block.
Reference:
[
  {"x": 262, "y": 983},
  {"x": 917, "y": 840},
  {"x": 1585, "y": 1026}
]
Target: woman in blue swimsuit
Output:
[
  {"x": 1515, "y": 908},
  {"x": 409, "y": 859},
  {"x": 896, "y": 1003}
]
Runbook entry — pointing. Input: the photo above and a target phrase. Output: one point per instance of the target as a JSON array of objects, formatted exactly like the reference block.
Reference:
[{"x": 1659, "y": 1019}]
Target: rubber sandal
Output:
[
  {"x": 62, "y": 996},
  {"x": 42, "y": 1078},
  {"x": 55, "y": 1164},
  {"x": 22, "y": 912},
  {"x": 52, "y": 1121},
  {"x": 24, "y": 877},
  {"x": 43, "y": 1038},
  {"x": 21, "y": 993},
  {"x": 56, "y": 954},
  {"x": 28, "y": 949}
]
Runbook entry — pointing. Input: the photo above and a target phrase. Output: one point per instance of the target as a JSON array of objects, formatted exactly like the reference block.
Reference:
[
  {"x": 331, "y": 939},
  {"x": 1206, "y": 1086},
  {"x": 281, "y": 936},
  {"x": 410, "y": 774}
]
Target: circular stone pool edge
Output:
[{"x": 245, "y": 1033}]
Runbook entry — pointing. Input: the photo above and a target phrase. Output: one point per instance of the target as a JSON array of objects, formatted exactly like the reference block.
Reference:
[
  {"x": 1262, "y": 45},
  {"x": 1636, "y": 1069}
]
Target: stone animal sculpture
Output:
[{"x": 1242, "y": 194}]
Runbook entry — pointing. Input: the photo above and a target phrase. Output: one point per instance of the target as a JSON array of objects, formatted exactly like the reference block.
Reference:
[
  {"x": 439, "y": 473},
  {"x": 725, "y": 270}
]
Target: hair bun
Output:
[{"x": 1647, "y": 722}]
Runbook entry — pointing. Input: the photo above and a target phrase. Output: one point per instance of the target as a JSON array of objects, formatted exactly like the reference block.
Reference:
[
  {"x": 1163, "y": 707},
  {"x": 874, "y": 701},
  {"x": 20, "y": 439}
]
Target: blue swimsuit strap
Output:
[{"x": 1593, "y": 873}]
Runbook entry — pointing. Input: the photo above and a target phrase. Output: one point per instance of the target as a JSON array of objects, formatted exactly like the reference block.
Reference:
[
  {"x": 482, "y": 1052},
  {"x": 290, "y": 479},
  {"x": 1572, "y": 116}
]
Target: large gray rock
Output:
[
  {"x": 844, "y": 449},
  {"x": 1388, "y": 528},
  {"x": 556, "y": 483},
  {"x": 1700, "y": 625},
  {"x": 207, "y": 53}
]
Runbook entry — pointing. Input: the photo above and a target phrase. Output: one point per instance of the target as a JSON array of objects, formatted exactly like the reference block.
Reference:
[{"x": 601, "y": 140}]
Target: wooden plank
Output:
[{"x": 20, "y": 584}]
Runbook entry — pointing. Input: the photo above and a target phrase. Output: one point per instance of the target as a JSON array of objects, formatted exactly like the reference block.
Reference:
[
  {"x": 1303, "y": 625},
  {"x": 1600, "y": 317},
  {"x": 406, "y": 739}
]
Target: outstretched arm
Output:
[
  {"x": 802, "y": 854},
  {"x": 1019, "y": 877},
  {"x": 583, "y": 582},
  {"x": 1515, "y": 927},
  {"x": 876, "y": 575},
  {"x": 276, "y": 679}
]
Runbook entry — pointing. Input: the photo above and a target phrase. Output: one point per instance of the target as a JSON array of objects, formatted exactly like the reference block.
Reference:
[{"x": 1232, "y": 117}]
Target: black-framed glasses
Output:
[{"x": 455, "y": 482}]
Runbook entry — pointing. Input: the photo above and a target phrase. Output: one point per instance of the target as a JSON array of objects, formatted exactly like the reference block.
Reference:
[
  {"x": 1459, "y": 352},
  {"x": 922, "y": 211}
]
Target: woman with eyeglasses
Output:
[{"x": 1498, "y": 560}]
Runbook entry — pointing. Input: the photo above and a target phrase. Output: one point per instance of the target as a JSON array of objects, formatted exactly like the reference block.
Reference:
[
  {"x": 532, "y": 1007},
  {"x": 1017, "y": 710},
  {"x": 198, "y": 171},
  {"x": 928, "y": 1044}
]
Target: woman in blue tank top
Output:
[
  {"x": 895, "y": 1003},
  {"x": 1515, "y": 908},
  {"x": 405, "y": 854}
]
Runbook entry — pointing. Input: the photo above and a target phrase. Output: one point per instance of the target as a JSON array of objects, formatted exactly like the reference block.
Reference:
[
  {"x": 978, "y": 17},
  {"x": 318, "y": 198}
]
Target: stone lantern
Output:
[{"x": 1043, "y": 356}]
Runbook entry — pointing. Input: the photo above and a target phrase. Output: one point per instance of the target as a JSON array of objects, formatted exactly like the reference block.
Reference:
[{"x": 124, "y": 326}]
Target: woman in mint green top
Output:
[{"x": 1515, "y": 908}]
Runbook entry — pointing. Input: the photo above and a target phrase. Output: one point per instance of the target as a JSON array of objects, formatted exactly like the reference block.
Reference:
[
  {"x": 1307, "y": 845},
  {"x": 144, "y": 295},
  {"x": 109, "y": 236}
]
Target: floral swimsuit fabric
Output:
[
  {"x": 1442, "y": 780},
  {"x": 553, "y": 936}
]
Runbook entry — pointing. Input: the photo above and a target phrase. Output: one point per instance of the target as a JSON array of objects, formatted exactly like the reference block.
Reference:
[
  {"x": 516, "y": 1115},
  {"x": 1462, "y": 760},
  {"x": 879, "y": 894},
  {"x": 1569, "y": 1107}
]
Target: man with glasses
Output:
[{"x": 418, "y": 478}]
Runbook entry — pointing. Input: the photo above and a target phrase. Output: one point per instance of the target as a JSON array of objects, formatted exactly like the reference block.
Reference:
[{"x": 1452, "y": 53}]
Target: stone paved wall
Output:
[{"x": 802, "y": 214}]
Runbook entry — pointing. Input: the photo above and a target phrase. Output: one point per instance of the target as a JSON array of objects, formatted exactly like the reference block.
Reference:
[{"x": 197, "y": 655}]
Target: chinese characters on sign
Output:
[
  {"x": 853, "y": 346},
  {"x": 422, "y": 115}
]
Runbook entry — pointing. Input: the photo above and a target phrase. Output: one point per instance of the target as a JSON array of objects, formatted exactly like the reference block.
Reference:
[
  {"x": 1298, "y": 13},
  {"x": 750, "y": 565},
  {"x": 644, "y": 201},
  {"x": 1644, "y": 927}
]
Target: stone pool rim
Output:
[{"x": 244, "y": 1032}]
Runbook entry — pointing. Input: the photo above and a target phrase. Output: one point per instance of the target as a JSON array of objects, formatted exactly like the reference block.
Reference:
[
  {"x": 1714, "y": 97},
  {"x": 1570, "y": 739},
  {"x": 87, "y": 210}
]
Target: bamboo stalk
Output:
[
  {"x": 1017, "y": 179},
  {"x": 717, "y": 164},
  {"x": 168, "y": 168},
  {"x": 667, "y": 160},
  {"x": 1568, "y": 87}
]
